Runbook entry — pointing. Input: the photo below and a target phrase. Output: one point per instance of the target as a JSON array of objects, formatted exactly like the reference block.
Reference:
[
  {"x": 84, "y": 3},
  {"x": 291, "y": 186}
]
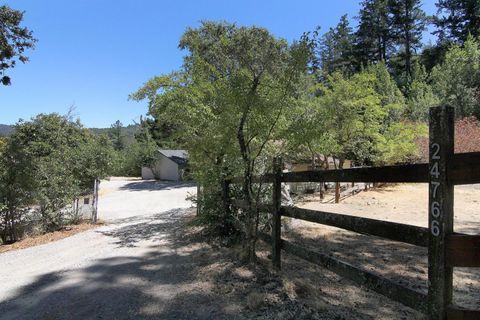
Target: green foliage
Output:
[
  {"x": 3, "y": 144},
  {"x": 398, "y": 143},
  {"x": 457, "y": 80},
  {"x": 116, "y": 135},
  {"x": 92, "y": 160},
  {"x": 373, "y": 36},
  {"x": 49, "y": 142},
  {"x": 14, "y": 40},
  {"x": 336, "y": 49},
  {"x": 388, "y": 31},
  {"x": 231, "y": 100},
  {"x": 46, "y": 163},
  {"x": 162, "y": 132},
  {"x": 129, "y": 161},
  {"x": 354, "y": 114},
  {"x": 420, "y": 95},
  {"x": 351, "y": 118},
  {"x": 407, "y": 22},
  {"x": 456, "y": 20},
  {"x": 128, "y": 132}
]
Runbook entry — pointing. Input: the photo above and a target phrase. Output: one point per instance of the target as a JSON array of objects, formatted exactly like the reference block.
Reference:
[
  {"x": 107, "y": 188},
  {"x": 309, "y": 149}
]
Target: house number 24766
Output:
[{"x": 435, "y": 210}]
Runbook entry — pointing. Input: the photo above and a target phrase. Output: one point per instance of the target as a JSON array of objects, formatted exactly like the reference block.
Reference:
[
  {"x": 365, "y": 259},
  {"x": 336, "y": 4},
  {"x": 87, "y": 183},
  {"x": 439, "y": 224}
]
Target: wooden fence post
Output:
[
  {"x": 95, "y": 200},
  {"x": 440, "y": 210},
  {"x": 276, "y": 216}
]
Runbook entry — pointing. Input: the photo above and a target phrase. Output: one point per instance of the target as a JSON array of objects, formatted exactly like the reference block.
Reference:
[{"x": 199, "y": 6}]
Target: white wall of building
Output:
[
  {"x": 147, "y": 173},
  {"x": 164, "y": 169}
]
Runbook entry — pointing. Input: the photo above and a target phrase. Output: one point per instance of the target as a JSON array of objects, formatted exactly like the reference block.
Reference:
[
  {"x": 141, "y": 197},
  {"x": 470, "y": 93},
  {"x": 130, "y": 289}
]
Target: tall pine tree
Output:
[
  {"x": 336, "y": 49},
  {"x": 456, "y": 19},
  {"x": 374, "y": 39},
  {"x": 407, "y": 22}
]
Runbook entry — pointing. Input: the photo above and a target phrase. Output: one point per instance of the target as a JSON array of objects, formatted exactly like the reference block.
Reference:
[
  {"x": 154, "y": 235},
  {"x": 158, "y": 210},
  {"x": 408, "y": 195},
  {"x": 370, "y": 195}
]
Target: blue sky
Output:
[{"x": 93, "y": 53}]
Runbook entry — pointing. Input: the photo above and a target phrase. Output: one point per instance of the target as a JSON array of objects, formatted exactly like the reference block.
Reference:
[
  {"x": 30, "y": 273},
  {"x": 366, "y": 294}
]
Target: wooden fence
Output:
[{"x": 446, "y": 249}]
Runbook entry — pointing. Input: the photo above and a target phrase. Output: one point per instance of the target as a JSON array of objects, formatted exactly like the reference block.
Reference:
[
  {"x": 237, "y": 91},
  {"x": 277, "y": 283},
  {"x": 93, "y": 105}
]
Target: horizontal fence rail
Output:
[
  {"x": 465, "y": 170},
  {"x": 463, "y": 250},
  {"x": 388, "y": 288},
  {"x": 404, "y": 173},
  {"x": 390, "y": 230}
]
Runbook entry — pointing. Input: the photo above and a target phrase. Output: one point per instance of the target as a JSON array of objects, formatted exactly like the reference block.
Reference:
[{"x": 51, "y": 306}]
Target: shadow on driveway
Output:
[{"x": 154, "y": 185}]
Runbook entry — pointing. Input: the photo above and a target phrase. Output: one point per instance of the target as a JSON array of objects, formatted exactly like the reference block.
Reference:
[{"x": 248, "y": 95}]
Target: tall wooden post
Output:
[
  {"x": 95, "y": 200},
  {"x": 440, "y": 216},
  {"x": 276, "y": 215}
]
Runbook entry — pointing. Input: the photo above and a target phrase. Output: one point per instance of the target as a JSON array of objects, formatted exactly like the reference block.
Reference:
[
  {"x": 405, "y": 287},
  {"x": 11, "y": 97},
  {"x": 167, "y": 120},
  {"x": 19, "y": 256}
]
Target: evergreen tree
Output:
[
  {"x": 116, "y": 135},
  {"x": 373, "y": 37},
  {"x": 336, "y": 48},
  {"x": 456, "y": 19},
  {"x": 407, "y": 24}
]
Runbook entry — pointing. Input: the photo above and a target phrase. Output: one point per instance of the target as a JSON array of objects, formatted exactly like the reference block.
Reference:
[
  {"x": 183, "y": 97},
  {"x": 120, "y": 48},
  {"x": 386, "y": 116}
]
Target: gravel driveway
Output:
[{"x": 105, "y": 273}]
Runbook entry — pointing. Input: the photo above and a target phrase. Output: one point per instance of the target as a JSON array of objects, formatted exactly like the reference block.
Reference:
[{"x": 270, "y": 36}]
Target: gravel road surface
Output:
[{"x": 105, "y": 273}]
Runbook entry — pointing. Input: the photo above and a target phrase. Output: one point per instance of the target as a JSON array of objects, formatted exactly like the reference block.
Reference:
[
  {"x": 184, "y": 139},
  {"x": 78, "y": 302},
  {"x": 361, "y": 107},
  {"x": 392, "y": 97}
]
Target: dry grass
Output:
[
  {"x": 49, "y": 237},
  {"x": 255, "y": 300}
]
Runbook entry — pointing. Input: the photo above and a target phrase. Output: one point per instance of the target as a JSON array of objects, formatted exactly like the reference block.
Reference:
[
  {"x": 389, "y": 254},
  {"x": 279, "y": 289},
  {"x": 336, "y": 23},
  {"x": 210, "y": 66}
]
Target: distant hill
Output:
[
  {"x": 128, "y": 131},
  {"x": 5, "y": 130}
]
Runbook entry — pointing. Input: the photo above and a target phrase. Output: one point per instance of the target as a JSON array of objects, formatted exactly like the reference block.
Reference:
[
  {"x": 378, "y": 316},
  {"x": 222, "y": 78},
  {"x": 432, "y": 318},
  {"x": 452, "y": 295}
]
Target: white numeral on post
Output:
[{"x": 435, "y": 209}]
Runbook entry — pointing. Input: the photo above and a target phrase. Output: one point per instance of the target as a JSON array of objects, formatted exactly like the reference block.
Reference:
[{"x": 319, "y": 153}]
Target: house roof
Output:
[{"x": 177, "y": 156}]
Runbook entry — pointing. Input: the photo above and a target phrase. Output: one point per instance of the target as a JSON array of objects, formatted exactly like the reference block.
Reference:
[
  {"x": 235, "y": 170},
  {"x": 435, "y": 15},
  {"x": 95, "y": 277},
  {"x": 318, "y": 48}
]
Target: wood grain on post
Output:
[
  {"x": 440, "y": 213},
  {"x": 276, "y": 215}
]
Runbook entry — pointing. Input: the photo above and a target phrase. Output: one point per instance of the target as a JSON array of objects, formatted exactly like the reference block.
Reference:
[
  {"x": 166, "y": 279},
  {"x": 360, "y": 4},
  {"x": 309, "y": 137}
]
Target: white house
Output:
[{"x": 168, "y": 166}]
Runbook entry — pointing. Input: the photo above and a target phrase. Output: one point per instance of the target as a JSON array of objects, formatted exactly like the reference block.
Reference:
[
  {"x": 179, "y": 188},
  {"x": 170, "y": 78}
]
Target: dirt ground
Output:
[
  {"x": 403, "y": 263},
  {"x": 32, "y": 241}
]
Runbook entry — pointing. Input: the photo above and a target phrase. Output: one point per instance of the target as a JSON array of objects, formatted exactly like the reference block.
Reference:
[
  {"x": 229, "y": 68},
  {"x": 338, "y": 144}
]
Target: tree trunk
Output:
[
  {"x": 341, "y": 161},
  {"x": 408, "y": 54},
  {"x": 337, "y": 192},
  {"x": 250, "y": 236},
  {"x": 199, "y": 194},
  {"x": 226, "y": 205}
]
